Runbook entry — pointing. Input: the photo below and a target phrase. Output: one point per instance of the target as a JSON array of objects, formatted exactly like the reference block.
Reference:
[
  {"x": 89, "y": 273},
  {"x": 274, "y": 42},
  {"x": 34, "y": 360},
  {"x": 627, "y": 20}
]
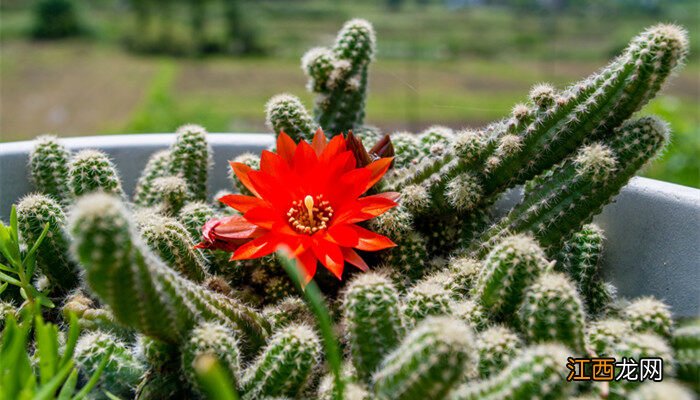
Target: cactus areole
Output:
[{"x": 306, "y": 199}]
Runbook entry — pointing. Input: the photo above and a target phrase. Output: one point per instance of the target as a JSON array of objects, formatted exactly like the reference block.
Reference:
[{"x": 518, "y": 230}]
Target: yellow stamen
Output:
[{"x": 309, "y": 203}]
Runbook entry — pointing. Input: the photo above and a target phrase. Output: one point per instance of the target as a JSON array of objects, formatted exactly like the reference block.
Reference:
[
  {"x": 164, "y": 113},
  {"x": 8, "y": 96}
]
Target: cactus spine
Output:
[
  {"x": 373, "y": 321},
  {"x": 426, "y": 298},
  {"x": 92, "y": 170},
  {"x": 428, "y": 362},
  {"x": 552, "y": 311},
  {"x": 556, "y": 207},
  {"x": 536, "y": 373},
  {"x": 686, "y": 346},
  {"x": 285, "y": 113},
  {"x": 284, "y": 366},
  {"x": 214, "y": 339},
  {"x": 339, "y": 77},
  {"x": 508, "y": 270},
  {"x": 191, "y": 158},
  {"x": 170, "y": 194},
  {"x": 53, "y": 256},
  {"x": 48, "y": 167},
  {"x": 156, "y": 167},
  {"x": 141, "y": 290}
]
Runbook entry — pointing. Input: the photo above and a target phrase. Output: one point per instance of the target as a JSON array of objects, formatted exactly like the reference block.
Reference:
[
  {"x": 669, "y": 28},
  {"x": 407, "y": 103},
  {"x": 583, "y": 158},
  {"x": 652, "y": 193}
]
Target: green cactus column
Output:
[
  {"x": 570, "y": 194},
  {"x": 509, "y": 269},
  {"x": 285, "y": 113},
  {"x": 539, "y": 372},
  {"x": 339, "y": 77},
  {"x": 647, "y": 314},
  {"x": 191, "y": 159},
  {"x": 92, "y": 171},
  {"x": 373, "y": 321},
  {"x": 53, "y": 258},
  {"x": 432, "y": 359},
  {"x": 48, "y": 168},
  {"x": 284, "y": 366},
  {"x": 158, "y": 166},
  {"x": 552, "y": 312},
  {"x": 141, "y": 289},
  {"x": 214, "y": 339},
  {"x": 497, "y": 347},
  {"x": 686, "y": 347}
]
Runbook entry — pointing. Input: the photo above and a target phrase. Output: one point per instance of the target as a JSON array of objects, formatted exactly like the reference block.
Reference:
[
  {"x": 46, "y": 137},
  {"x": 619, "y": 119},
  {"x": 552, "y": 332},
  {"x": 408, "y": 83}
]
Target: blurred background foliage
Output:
[{"x": 73, "y": 67}]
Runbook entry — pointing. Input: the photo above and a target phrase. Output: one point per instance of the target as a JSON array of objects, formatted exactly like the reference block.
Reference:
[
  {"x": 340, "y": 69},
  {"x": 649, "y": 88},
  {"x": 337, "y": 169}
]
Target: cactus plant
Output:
[
  {"x": 169, "y": 239},
  {"x": 285, "y": 113},
  {"x": 191, "y": 158},
  {"x": 53, "y": 257},
  {"x": 556, "y": 208},
  {"x": 497, "y": 347},
  {"x": 215, "y": 339},
  {"x": 686, "y": 346},
  {"x": 150, "y": 296},
  {"x": 508, "y": 270},
  {"x": 122, "y": 373},
  {"x": 92, "y": 170},
  {"x": 156, "y": 167},
  {"x": 536, "y": 373},
  {"x": 428, "y": 362},
  {"x": 170, "y": 194},
  {"x": 283, "y": 367},
  {"x": 339, "y": 77},
  {"x": 647, "y": 314},
  {"x": 426, "y": 298},
  {"x": 373, "y": 321},
  {"x": 48, "y": 167},
  {"x": 552, "y": 311}
]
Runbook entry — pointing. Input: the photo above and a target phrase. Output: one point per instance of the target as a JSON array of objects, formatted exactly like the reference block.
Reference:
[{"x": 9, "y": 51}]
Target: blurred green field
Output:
[{"x": 456, "y": 67}]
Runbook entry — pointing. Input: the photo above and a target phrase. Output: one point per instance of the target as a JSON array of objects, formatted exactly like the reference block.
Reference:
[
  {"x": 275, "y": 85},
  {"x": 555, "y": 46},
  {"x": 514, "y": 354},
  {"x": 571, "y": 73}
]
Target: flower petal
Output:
[
  {"x": 364, "y": 208},
  {"x": 242, "y": 203},
  {"x": 307, "y": 263},
  {"x": 256, "y": 248},
  {"x": 336, "y": 146},
  {"x": 264, "y": 217},
  {"x": 370, "y": 241},
  {"x": 241, "y": 170},
  {"x": 353, "y": 258},
  {"x": 378, "y": 169},
  {"x": 305, "y": 159},
  {"x": 343, "y": 235},
  {"x": 286, "y": 147},
  {"x": 319, "y": 142},
  {"x": 329, "y": 254}
]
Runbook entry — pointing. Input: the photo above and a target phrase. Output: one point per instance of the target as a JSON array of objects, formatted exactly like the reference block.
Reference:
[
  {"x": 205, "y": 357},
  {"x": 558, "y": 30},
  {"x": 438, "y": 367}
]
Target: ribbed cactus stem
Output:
[
  {"x": 552, "y": 312},
  {"x": 409, "y": 256},
  {"x": 122, "y": 372},
  {"x": 427, "y": 298},
  {"x": 395, "y": 223},
  {"x": 284, "y": 366},
  {"x": 580, "y": 258},
  {"x": 159, "y": 356},
  {"x": 285, "y": 113},
  {"x": 647, "y": 314},
  {"x": 53, "y": 256},
  {"x": 605, "y": 334},
  {"x": 48, "y": 168},
  {"x": 686, "y": 347},
  {"x": 339, "y": 77},
  {"x": 509, "y": 269},
  {"x": 91, "y": 171},
  {"x": 497, "y": 347},
  {"x": 537, "y": 372},
  {"x": 191, "y": 159},
  {"x": 169, "y": 239},
  {"x": 635, "y": 347},
  {"x": 472, "y": 313},
  {"x": 570, "y": 194},
  {"x": 214, "y": 339},
  {"x": 373, "y": 321},
  {"x": 90, "y": 316},
  {"x": 141, "y": 289},
  {"x": 406, "y": 149},
  {"x": 287, "y": 311},
  {"x": 432, "y": 359},
  {"x": 542, "y": 133},
  {"x": 193, "y": 216},
  {"x": 158, "y": 166},
  {"x": 170, "y": 195},
  {"x": 463, "y": 274}
]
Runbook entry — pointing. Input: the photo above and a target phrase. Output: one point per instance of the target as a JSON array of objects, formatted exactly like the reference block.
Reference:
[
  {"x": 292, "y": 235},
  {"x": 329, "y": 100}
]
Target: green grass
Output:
[{"x": 435, "y": 66}]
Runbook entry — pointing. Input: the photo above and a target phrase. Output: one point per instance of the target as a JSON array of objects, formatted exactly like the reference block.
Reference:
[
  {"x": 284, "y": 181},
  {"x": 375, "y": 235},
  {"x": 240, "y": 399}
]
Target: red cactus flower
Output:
[{"x": 306, "y": 200}]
